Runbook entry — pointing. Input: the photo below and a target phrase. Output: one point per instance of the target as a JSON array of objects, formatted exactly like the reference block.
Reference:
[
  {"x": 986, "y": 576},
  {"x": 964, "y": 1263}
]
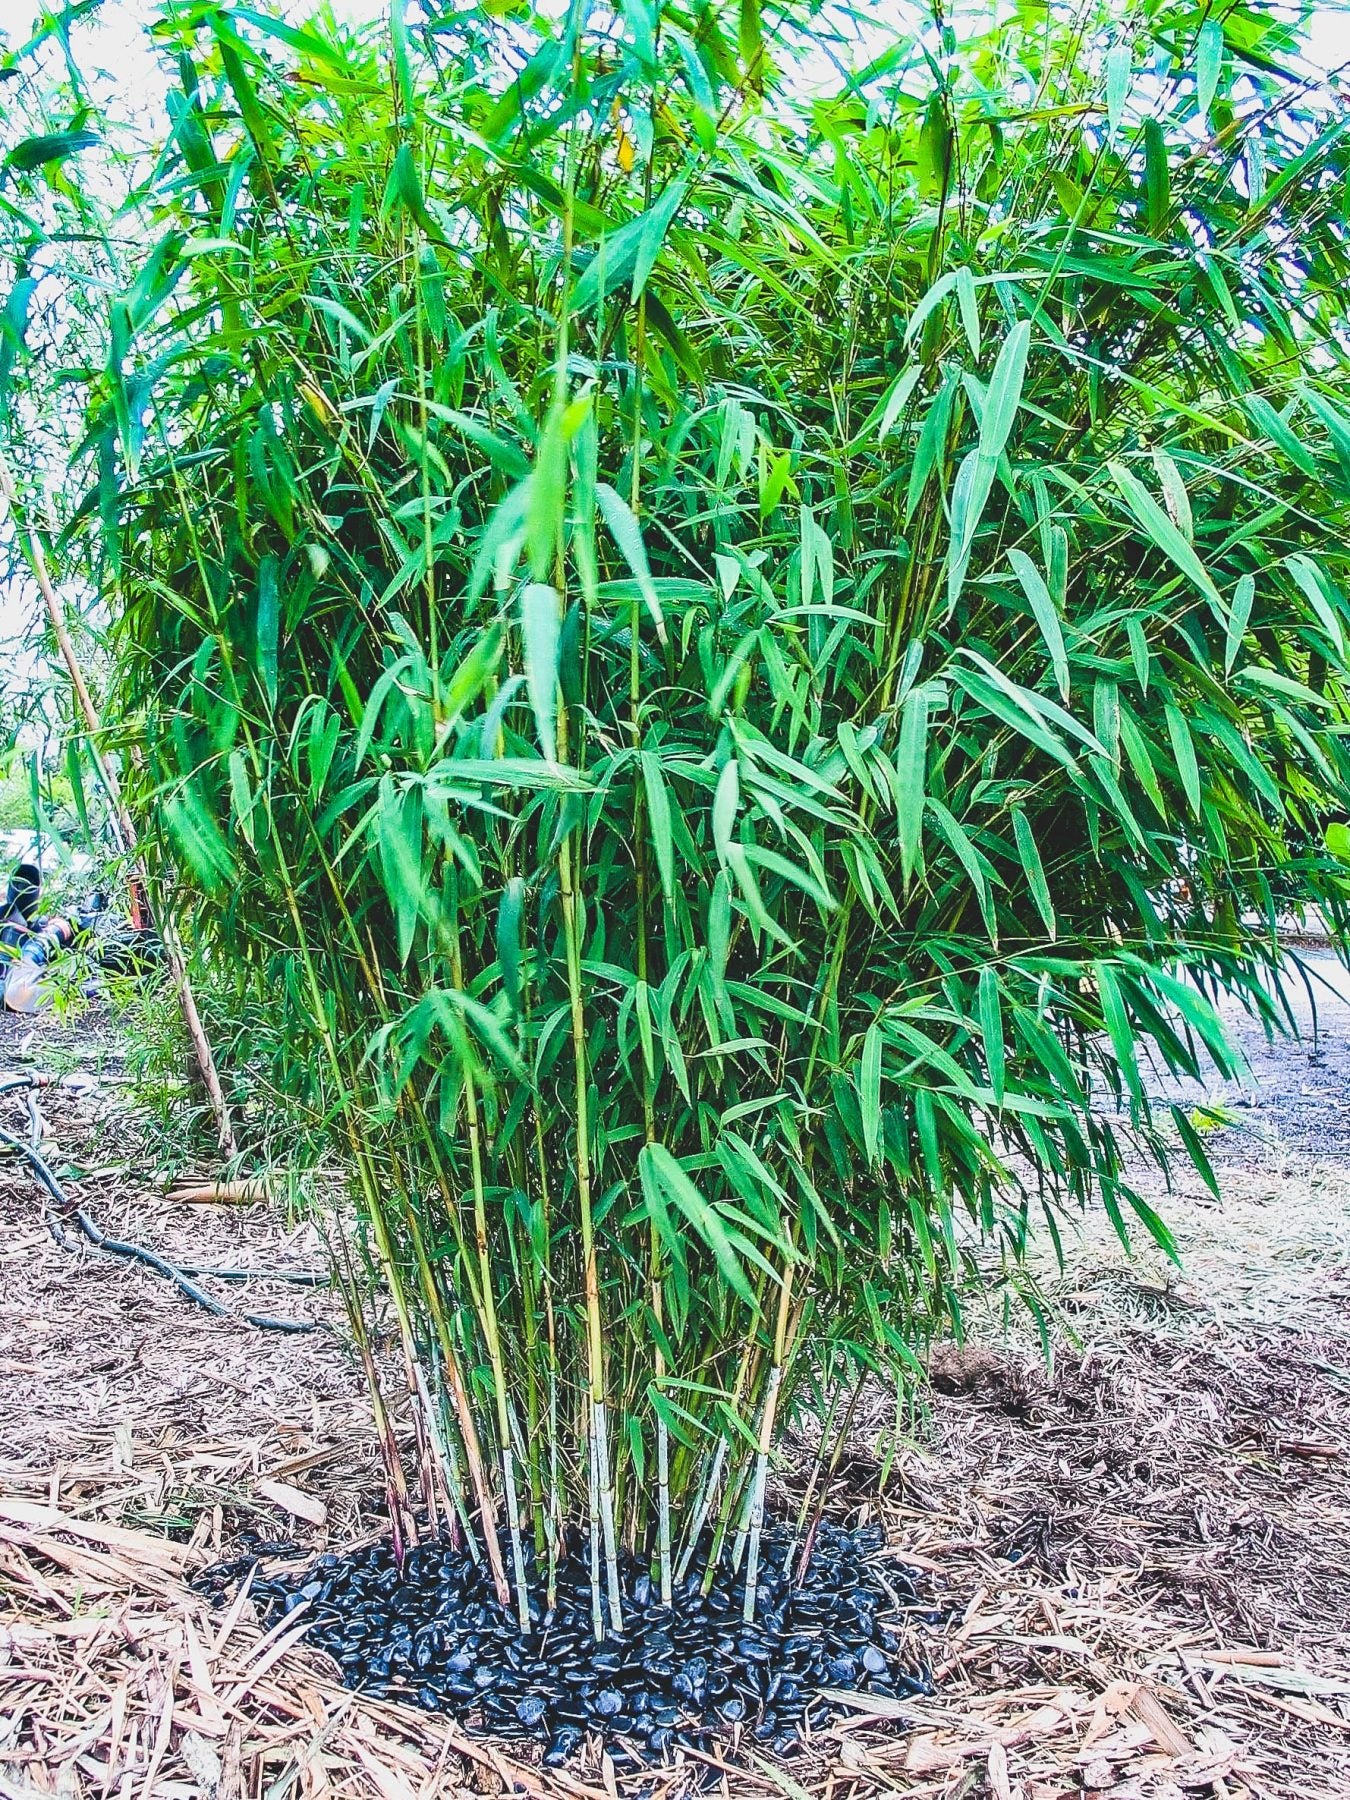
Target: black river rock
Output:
[{"x": 433, "y": 1634}]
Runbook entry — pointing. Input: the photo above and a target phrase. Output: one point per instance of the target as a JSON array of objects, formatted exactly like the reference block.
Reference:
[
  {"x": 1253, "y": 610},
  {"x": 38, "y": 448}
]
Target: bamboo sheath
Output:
[{"x": 126, "y": 830}]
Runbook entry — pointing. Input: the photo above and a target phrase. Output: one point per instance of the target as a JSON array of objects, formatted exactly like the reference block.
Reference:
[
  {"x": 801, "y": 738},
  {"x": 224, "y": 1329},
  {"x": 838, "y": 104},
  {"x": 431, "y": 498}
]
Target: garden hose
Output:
[{"x": 137, "y": 1252}]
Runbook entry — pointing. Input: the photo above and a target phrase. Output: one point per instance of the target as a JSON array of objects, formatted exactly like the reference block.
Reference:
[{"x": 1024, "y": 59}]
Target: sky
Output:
[{"x": 118, "y": 42}]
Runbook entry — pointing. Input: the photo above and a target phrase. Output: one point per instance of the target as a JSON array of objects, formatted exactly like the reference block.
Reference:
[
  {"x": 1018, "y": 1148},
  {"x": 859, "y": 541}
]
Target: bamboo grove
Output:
[{"x": 732, "y": 653}]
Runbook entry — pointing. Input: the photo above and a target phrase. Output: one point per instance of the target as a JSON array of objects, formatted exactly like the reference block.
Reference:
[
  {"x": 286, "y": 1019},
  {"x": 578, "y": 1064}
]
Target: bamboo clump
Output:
[{"x": 683, "y": 635}]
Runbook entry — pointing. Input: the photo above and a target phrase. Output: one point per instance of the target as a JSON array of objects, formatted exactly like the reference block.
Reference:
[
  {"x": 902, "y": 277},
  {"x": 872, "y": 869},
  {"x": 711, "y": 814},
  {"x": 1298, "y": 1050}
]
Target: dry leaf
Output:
[
  {"x": 293, "y": 1500},
  {"x": 998, "y": 1773},
  {"x": 202, "y": 1760},
  {"x": 1167, "y": 1735}
]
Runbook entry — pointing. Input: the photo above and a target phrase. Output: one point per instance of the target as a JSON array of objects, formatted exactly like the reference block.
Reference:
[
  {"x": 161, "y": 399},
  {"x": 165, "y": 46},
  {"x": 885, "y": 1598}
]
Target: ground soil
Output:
[{"x": 1136, "y": 1553}]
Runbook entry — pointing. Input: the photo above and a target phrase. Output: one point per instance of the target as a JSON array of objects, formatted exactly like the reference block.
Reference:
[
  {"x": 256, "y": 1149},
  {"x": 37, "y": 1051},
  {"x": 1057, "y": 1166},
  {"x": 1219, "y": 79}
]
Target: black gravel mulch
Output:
[{"x": 434, "y": 1634}]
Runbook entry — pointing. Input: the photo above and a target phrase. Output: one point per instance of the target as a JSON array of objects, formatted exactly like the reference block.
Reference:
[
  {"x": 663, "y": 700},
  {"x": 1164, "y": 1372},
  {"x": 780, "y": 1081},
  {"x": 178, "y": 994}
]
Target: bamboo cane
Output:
[
  {"x": 568, "y": 852},
  {"x": 768, "y": 1417}
]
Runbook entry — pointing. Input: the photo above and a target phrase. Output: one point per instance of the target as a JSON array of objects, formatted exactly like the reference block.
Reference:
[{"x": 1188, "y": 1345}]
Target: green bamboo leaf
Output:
[
  {"x": 541, "y": 625},
  {"x": 970, "y": 494},
  {"x": 1118, "y": 1028},
  {"x": 75, "y": 776},
  {"x": 656, "y": 222},
  {"x": 304, "y": 43},
  {"x": 910, "y": 766},
  {"x": 1030, "y": 857},
  {"x": 1194, "y": 1008},
  {"x": 1183, "y": 748},
  {"x": 547, "y": 495},
  {"x": 1208, "y": 64},
  {"x": 1043, "y": 607},
  {"x": 956, "y": 835},
  {"x": 1309, "y": 579},
  {"x": 1154, "y": 1224},
  {"x": 1288, "y": 689},
  {"x": 1118, "y": 71},
  {"x": 398, "y": 31},
  {"x": 504, "y": 455},
  {"x": 1106, "y": 716},
  {"x": 897, "y": 400},
  {"x": 1141, "y": 759},
  {"x": 1238, "y": 614},
  {"x": 1174, "y": 494},
  {"x": 1140, "y": 656},
  {"x": 719, "y": 947},
  {"x": 627, "y": 534},
  {"x": 1004, "y": 394},
  {"x": 251, "y": 109},
  {"x": 869, "y": 1092},
  {"x": 726, "y": 800},
  {"x": 269, "y": 626},
  {"x": 241, "y": 797},
  {"x": 991, "y": 1030},
  {"x": 1162, "y": 531},
  {"x": 738, "y": 861},
  {"x": 975, "y": 478},
  {"x": 658, "y": 813},
  {"x": 399, "y": 828},
  {"x": 1254, "y": 158},
  {"x": 931, "y": 300},
  {"x": 642, "y": 1006},
  {"x": 1157, "y": 179},
  {"x": 929, "y": 450},
  {"x": 969, "y": 308},
  {"x": 775, "y": 864},
  {"x": 36, "y": 152},
  {"x": 661, "y": 1169},
  {"x": 1277, "y": 428},
  {"x": 1195, "y": 1149},
  {"x": 198, "y": 838},
  {"x": 344, "y": 316},
  {"x": 510, "y": 911},
  {"x": 1057, "y": 566}
]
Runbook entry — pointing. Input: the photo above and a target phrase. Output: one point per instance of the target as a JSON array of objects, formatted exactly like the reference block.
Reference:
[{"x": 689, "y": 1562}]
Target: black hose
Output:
[
  {"x": 308, "y": 1278},
  {"x": 135, "y": 1252},
  {"x": 12, "y": 1083}
]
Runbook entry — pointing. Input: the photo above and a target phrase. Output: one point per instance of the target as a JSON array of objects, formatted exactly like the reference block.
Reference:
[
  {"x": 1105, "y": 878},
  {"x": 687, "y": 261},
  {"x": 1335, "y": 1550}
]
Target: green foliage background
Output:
[{"x": 737, "y": 652}]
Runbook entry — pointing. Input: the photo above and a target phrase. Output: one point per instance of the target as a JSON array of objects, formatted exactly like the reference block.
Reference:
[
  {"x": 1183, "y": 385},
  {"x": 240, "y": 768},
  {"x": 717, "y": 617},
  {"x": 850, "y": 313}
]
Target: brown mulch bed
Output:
[
  {"x": 1138, "y": 1559},
  {"x": 1175, "y": 1513}
]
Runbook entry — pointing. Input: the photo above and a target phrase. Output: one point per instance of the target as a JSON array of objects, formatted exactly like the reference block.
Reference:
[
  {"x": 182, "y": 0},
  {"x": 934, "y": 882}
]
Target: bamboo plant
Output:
[{"x": 736, "y": 628}]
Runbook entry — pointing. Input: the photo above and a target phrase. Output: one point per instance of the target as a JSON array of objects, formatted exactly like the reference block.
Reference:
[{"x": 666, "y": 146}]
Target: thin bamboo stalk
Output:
[
  {"x": 494, "y": 1349},
  {"x": 768, "y": 1419},
  {"x": 443, "y": 1445},
  {"x": 840, "y": 1439},
  {"x": 593, "y": 1461},
  {"x": 663, "y": 1549},
  {"x": 702, "y": 1508},
  {"x": 402, "y": 1526},
  {"x": 568, "y": 852}
]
